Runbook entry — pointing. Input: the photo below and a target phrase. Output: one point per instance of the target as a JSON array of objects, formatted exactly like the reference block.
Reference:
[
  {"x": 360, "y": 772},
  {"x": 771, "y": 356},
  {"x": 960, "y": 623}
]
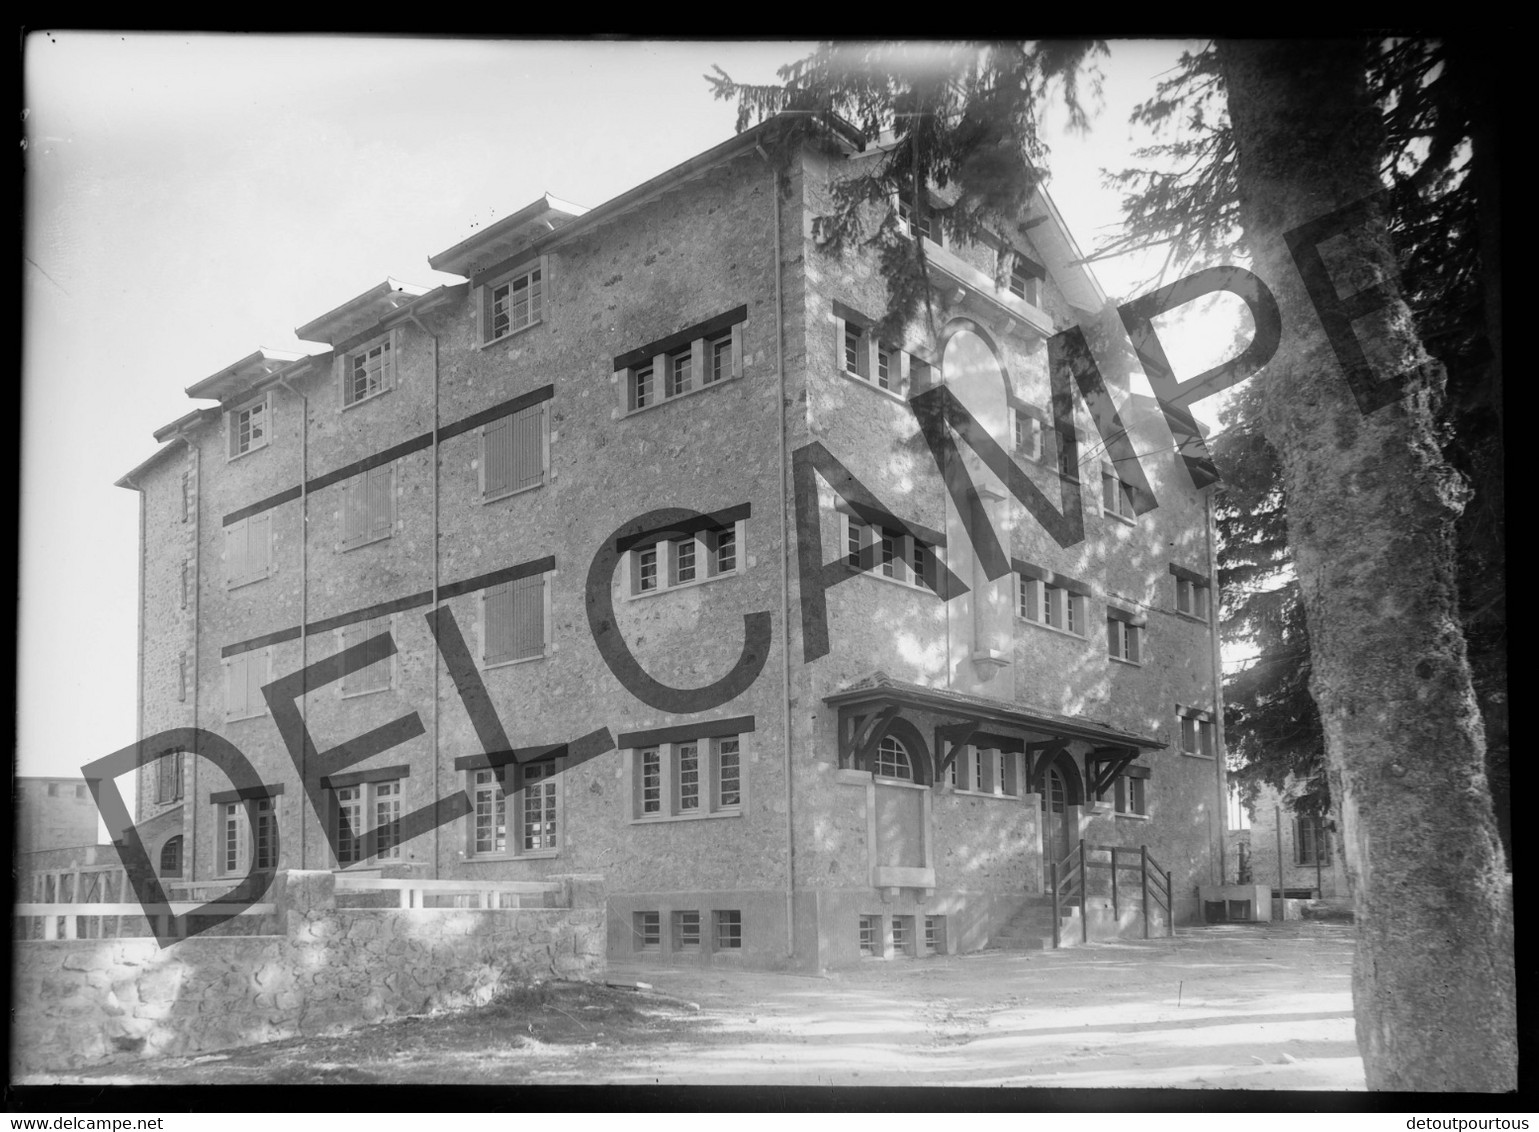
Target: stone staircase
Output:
[{"x": 1031, "y": 929}]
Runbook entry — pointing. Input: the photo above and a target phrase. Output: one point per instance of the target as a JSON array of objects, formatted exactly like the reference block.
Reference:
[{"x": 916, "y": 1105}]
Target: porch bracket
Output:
[{"x": 1106, "y": 764}]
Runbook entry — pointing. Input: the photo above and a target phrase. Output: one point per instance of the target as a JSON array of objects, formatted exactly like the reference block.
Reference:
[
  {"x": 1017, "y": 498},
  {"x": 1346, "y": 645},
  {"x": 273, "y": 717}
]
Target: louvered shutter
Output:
[
  {"x": 497, "y": 457},
  {"x": 256, "y": 676},
  {"x": 497, "y": 614},
  {"x": 235, "y": 686},
  {"x": 380, "y": 488},
  {"x": 529, "y": 616},
  {"x": 1033, "y": 600},
  {"x": 259, "y": 532},
  {"x": 353, "y": 507},
  {"x": 235, "y": 552},
  {"x": 527, "y": 456}
]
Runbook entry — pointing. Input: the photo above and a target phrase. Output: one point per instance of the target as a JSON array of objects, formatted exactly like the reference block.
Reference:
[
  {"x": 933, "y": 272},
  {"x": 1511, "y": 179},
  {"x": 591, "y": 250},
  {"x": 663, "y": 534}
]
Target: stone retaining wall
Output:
[{"x": 87, "y": 1002}]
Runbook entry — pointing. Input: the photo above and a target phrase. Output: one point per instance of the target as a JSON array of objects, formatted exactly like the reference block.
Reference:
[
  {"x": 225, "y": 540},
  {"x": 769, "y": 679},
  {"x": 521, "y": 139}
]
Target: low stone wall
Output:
[{"x": 87, "y": 1002}]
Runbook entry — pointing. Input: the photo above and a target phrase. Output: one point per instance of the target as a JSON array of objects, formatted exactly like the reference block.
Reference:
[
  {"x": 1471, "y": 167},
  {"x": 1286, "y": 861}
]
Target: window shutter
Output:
[
  {"x": 1205, "y": 730},
  {"x": 381, "y": 484},
  {"x": 256, "y": 676},
  {"x": 387, "y": 371},
  {"x": 235, "y": 557},
  {"x": 235, "y": 686},
  {"x": 1108, "y": 492},
  {"x": 1033, "y": 599},
  {"x": 529, "y": 616},
  {"x": 737, "y": 350},
  {"x": 259, "y": 532},
  {"x": 497, "y": 457},
  {"x": 526, "y": 463},
  {"x": 840, "y": 364},
  {"x": 497, "y": 614}
]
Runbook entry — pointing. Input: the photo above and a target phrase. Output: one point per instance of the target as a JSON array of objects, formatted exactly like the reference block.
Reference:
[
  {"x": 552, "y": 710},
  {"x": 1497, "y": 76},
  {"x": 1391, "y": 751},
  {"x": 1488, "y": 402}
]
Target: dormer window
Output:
[{"x": 1024, "y": 284}]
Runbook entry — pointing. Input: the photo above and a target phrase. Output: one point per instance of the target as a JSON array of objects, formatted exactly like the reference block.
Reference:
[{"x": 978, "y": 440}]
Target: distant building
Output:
[
  {"x": 1311, "y": 865},
  {"x": 634, "y": 550},
  {"x": 53, "y": 813}
]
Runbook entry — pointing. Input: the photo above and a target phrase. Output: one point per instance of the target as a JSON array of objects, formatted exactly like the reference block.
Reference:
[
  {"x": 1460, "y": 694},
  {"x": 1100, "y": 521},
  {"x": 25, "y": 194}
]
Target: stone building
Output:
[
  {"x": 1296, "y": 854},
  {"x": 53, "y": 813},
  {"x": 632, "y": 555}
]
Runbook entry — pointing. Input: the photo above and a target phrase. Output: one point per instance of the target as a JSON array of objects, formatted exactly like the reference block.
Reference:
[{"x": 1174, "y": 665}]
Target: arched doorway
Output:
[{"x": 1063, "y": 794}]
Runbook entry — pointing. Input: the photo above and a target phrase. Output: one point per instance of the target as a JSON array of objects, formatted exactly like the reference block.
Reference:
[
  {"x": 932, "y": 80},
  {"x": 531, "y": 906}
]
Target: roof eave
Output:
[{"x": 359, "y": 312}]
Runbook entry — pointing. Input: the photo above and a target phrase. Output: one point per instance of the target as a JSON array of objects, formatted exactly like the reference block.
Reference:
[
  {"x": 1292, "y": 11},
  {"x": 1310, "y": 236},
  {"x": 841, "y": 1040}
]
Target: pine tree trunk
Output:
[{"x": 1371, "y": 511}]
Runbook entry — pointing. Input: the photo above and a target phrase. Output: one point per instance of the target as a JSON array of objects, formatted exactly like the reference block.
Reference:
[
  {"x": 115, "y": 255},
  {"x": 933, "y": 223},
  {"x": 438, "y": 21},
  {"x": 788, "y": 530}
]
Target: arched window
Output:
[
  {"x": 171, "y": 857},
  {"x": 892, "y": 760}
]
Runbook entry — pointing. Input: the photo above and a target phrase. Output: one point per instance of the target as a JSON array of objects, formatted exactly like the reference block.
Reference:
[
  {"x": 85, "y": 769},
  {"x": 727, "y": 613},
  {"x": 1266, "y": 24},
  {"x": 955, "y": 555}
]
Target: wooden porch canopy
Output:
[{"x": 868, "y": 708}]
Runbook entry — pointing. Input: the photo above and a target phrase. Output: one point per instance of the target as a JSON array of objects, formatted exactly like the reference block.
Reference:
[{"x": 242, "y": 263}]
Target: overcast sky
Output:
[{"x": 190, "y": 198}]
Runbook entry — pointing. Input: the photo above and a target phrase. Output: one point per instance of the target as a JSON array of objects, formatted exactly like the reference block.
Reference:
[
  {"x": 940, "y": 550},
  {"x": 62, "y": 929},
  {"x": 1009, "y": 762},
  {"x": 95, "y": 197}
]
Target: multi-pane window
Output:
[
  {"x": 370, "y": 370},
  {"x": 1116, "y": 496},
  {"x": 680, "y": 373},
  {"x": 690, "y": 778},
  {"x": 862, "y": 355},
  {"x": 515, "y": 452},
  {"x": 512, "y": 304},
  {"x": 871, "y": 936},
  {"x": 1124, "y": 640},
  {"x": 538, "y": 828},
  {"x": 857, "y": 359},
  {"x": 719, "y": 353},
  {"x": 363, "y": 807},
  {"x": 1056, "y": 606},
  {"x": 376, "y": 677},
  {"x": 514, "y": 621},
  {"x": 935, "y": 934},
  {"x": 247, "y": 835},
  {"x": 1311, "y": 841},
  {"x": 1026, "y": 434},
  {"x": 892, "y": 760},
  {"x": 244, "y": 675},
  {"x": 920, "y": 221},
  {"x": 168, "y": 777},
  {"x": 249, "y": 427},
  {"x": 646, "y": 931},
  {"x": 1191, "y": 598},
  {"x": 681, "y": 365},
  {"x": 1130, "y": 795},
  {"x": 642, "y": 386},
  {"x": 686, "y": 931},
  {"x": 1196, "y": 733},
  {"x": 248, "y": 549},
  {"x": 536, "y": 814},
  {"x": 884, "y": 367},
  {"x": 171, "y": 857},
  {"x": 889, "y": 553},
  {"x": 1068, "y": 454},
  {"x": 986, "y": 770},
  {"x": 684, "y": 561},
  {"x": 727, "y": 929},
  {"x": 903, "y": 935},
  {"x": 368, "y": 506}
]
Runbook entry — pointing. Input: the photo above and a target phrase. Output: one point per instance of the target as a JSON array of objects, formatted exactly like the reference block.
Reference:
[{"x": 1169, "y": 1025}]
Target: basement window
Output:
[
  {"x": 646, "y": 931},
  {"x": 686, "y": 931},
  {"x": 727, "y": 928},
  {"x": 871, "y": 936},
  {"x": 935, "y": 935}
]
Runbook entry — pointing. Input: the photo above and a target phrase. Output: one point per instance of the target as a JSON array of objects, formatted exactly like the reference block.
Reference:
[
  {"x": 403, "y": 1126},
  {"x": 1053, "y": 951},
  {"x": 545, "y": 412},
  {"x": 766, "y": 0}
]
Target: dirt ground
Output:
[{"x": 1227, "y": 1007}]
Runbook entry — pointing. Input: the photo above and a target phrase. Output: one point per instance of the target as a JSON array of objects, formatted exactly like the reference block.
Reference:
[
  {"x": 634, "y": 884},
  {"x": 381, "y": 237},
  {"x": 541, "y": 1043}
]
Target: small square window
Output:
[
  {"x": 686, "y": 931},
  {"x": 857, "y": 359},
  {"x": 1197, "y": 733},
  {"x": 680, "y": 373},
  {"x": 647, "y": 931},
  {"x": 719, "y": 355},
  {"x": 1124, "y": 641},
  {"x": 641, "y": 386},
  {"x": 871, "y": 936},
  {"x": 683, "y": 561},
  {"x": 903, "y": 935},
  {"x": 1027, "y": 434},
  {"x": 935, "y": 935},
  {"x": 1023, "y": 283},
  {"x": 1130, "y": 795},
  {"x": 725, "y": 551},
  {"x": 1192, "y": 598},
  {"x": 727, "y": 930}
]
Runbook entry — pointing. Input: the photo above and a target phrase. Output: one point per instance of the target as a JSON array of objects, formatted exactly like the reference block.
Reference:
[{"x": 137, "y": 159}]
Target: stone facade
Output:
[
  {"x": 52, "y": 814},
  {"x": 86, "y": 1002},
  {"x": 727, "y": 809}
]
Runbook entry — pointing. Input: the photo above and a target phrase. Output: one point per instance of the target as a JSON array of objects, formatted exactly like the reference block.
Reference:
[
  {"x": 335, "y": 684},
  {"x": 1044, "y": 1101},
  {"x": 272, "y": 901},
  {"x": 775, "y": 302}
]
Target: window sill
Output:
[
  {"x": 239, "y": 718},
  {"x": 875, "y": 572},
  {"x": 1129, "y": 663},
  {"x": 365, "y": 400},
  {"x": 868, "y": 383},
  {"x": 984, "y": 794},
  {"x": 365, "y": 692},
  {"x": 643, "y": 594},
  {"x": 1120, "y": 518},
  {"x": 511, "y": 334},
  {"x": 247, "y": 452},
  {"x": 1133, "y": 817},
  {"x": 852, "y": 777},
  {"x": 488, "y": 665},
  {"x": 1197, "y": 755},
  {"x": 661, "y": 401},
  {"x": 246, "y": 582},
  {"x": 501, "y": 495},
  {"x": 346, "y": 546},
  {"x": 1051, "y": 628},
  {"x": 1203, "y": 621},
  {"x": 904, "y": 782},
  {"x": 660, "y": 819},
  {"x": 532, "y": 855}
]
